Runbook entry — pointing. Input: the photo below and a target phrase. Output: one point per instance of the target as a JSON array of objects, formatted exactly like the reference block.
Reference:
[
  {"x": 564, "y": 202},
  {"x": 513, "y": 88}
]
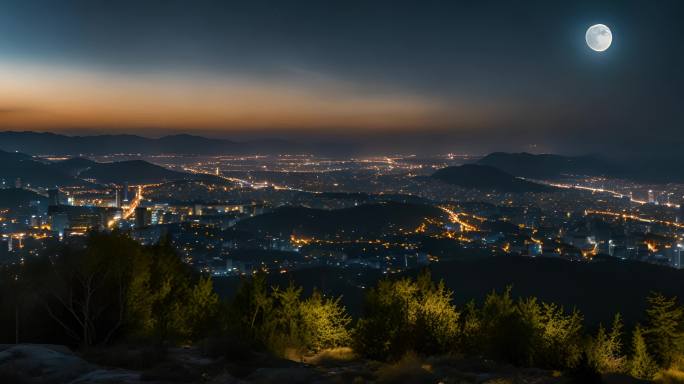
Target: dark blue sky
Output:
[{"x": 473, "y": 74}]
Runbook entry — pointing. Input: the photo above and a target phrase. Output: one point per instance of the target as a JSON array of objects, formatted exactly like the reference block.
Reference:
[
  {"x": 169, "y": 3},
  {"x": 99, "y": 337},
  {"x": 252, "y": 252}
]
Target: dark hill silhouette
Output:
[
  {"x": 42, "y": 143},
  {"x": 133, "y": 171},
  {"x": 486, "y": 178},
  {"x": 74, "y": 166},
  {"x": 17, "y": 197},
  {"x": 547, "y": 166},
  {"x": 32, "y": 171},
  {"x": 368, "y": 221}
]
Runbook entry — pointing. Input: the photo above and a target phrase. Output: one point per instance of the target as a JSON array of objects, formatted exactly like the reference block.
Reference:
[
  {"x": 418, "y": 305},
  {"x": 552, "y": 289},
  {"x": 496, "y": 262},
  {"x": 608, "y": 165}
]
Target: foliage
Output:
[
  {"x": 84, "y": 289},
  {"x": 642, "y": 365},
  {"x": 469, "y": 329},
  {"x": 527, "y": 332},
  {"x": 279, "y": 320},
  {"x": 561, "y": 337},
  {"x": 109, "y": 287},
  {"x": 605, "y": 350},
  {"x": 664, "y": 332},
  {"x": 105, "y": 288},
  {"x": 405, "y": 315},
  {"x": 326, "y": 322},
  {"x": 510, "y": 332}
]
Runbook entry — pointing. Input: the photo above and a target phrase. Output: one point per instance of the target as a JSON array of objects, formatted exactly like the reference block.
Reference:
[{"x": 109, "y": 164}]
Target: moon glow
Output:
[{"x": 599, "y": 37}]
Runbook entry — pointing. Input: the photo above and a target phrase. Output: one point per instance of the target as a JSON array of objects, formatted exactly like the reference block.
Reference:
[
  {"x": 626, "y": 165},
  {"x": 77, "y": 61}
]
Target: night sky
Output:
[{"x": 461, "y": 75}]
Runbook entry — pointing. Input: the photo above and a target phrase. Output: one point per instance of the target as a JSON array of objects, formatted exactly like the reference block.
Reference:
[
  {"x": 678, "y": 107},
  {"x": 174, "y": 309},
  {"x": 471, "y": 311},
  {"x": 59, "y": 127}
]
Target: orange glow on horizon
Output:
[{"x": 34, "y": 96}]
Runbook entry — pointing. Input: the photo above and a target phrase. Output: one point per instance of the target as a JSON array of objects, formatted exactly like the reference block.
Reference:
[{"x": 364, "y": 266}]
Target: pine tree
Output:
[
  {"x": 605, "y": 350},
  {"x": 664, "y": 333},
  {"x": 642, "y": 365}
]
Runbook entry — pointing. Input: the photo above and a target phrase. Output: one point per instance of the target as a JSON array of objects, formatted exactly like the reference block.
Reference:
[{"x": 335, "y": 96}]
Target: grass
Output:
[
  {"x": 670, "y": 376},
  {"x": 332, "y": 356},
  {"x": 410, "y": 370}
]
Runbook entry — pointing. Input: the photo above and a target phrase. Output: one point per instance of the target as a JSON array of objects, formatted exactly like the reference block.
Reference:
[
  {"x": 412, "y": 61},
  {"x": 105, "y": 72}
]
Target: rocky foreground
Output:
[{"x": 35, "y": 363}]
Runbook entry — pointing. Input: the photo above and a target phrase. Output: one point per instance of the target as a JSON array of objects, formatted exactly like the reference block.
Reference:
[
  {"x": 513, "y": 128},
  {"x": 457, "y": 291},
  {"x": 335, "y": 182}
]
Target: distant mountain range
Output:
[
  {"x": 486, "y": 178},
  {"x": 81, "y": 171},
  {"x": 44, "y": 143}
]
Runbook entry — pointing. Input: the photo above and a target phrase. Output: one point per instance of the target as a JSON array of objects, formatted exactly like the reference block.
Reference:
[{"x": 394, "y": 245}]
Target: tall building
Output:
[
  {"x": 117, "y": 197},
  {"x": 53, "y": 196},
  {"x": 59, "y": 223},
  {"x": 125, "y": 193},
  {"x": 143, "y": 217},
  {"x": 651, "y": 196}
]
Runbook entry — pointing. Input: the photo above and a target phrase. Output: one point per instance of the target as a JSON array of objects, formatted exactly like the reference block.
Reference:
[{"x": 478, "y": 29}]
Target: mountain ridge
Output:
[
  {"x": 485, "y": 177},
  {"x": 48, "y": 143}
]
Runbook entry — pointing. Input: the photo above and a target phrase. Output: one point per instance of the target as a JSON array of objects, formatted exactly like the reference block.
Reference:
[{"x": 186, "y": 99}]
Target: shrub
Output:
[
  {"x": 404, "y": 315},
  {"x": 605, "y": 350},
  {"x": 279, "y": 320},
  {"x": 642, "y": 365}
]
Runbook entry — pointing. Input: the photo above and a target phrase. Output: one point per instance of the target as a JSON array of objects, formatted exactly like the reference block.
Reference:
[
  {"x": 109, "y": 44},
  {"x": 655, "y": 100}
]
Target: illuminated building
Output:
[{"x": 79, "y": 218}]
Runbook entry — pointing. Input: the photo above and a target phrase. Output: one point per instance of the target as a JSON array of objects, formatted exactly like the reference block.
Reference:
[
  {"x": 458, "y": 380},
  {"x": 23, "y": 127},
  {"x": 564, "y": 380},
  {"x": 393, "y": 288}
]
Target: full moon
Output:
[{"x": 599, "y": 37}]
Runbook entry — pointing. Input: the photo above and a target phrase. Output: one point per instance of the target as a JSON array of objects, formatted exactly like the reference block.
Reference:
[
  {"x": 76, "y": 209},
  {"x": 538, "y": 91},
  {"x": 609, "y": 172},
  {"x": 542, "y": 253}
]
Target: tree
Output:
[
  {"x": 526, "y": 332},
  {"x": 280, "y": 321},
  {"x": 201, "y": 310},
  {"x": 664, "y": 333},
  {"x": 383, "y": 330},
  {"x": 605, "y": 350},
  {"x": 436, "y": 325},
  {"x": 561, "y": 336},
  {"x": 405, "y": 315},
  {"x": 642, "y": 366},
  {"x": 326, "y": 322},
  {"x": 510, "y": 331},
  {"x": 161, "y": 292},
  {"x": 84, "y": 289},
  {"x": 470, "y": 329},
  {"x": 284, "y": 326}
]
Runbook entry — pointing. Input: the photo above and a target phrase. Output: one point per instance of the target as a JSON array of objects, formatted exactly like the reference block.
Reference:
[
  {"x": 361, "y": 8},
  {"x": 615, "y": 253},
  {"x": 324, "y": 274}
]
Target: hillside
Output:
[
  {"x": 73, "y": 166},
  {"x": 486, "y": 178},
  {"x": 365, "y": 220},
  {"x": 547, "y": 166},
  {"x": 32, "y": 172},
  {"x": 133, "y": 172},
  {"x": 17, "y": 197}
]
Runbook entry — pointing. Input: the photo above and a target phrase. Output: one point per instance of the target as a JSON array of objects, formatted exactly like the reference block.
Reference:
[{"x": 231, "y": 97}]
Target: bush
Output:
[
  {"x": 605, "y": 350},
  {"x": 407, "y": 315},
  {"x": 642, "y": 365},
  {"x": 280, "y": 321},
  {"x": 523, "y": 332}
]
